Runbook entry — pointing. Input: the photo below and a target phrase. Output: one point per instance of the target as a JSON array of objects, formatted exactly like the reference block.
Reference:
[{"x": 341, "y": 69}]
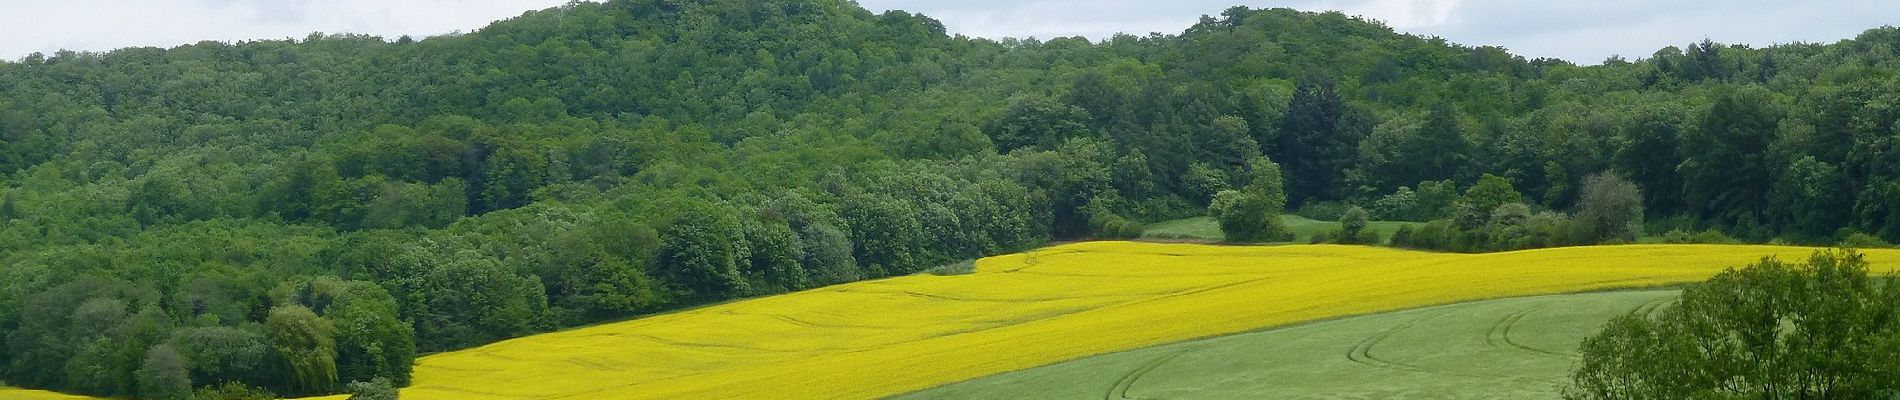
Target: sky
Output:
[{"x": 1582, "y": 31}]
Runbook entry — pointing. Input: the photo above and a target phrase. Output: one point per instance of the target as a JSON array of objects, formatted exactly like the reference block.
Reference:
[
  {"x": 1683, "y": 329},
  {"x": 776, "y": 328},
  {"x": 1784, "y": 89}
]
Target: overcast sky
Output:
[{"x": 1583, "y": 31}]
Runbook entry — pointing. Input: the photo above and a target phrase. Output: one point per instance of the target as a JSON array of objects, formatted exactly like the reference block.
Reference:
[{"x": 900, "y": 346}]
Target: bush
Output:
[
  {"x": 1817, "y": 330},
  {"x": 1247, "y": 218},
  {"x": 232, "y": 391},
  {"x": 1353, "y": 230},
  {"x": 964, "y": 267},
  {"x": 1475, "y": 207},
  {"x": 375, "y": 389},
  {"x": 1322, "y": 210},
  {"x": 1403, "y": 236},
  {"x": 1610, "y": 210},
  {"x": 1851, "y": 238},
  {"x": 1711, "y": 236}
]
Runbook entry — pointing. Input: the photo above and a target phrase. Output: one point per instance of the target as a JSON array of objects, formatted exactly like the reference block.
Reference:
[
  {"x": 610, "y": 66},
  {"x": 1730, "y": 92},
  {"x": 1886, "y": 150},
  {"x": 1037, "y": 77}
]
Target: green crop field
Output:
[
  {"x": 1521, "y": 348},
  {"x": 1205, "y": 229}
]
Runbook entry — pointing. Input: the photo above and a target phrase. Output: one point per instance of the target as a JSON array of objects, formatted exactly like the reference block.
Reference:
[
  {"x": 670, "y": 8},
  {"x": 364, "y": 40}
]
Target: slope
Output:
[
  {"x": 887, "y": 337},
  {"x": 1520, "y": 348}
]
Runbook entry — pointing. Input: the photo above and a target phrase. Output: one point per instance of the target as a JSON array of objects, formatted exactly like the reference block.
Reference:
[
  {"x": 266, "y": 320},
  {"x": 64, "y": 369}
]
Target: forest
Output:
[{"x": 292, "y": 216}]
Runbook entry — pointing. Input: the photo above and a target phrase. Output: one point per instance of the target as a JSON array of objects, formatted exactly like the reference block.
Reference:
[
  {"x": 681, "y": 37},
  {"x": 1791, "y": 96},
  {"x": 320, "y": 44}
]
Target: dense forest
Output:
[{"x": 292, "y": 216}]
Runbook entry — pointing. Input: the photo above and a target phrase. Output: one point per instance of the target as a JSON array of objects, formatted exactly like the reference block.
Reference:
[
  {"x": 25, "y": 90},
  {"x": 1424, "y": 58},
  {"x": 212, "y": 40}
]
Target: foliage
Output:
[
  {"x": 163, "y": 375},
  {"x": 1819, "y": 329},
  {"x": 232, "y": 391},
  {"x": 1252, "y": 214},
  {"x": 601, "y": 160},
  {"x": 1609, "y": 210},
  {"x": 377, "y": 389},
  {"x": 306, "y": 346},
  {"x": 1711, "y": 236},
  {"x": 1478, "y": 202},
  {"x": 1352, "y": 229}
]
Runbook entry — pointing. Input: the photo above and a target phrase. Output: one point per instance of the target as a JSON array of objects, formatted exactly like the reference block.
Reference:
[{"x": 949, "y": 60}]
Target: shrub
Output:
[
  {"x": 1822, "y": 329},
  {"x": 1610, "y": 210},
  {"x": 1247, "y": 218},
  {"x": 1475, "y": 207},
  {"x": 1353, "y": 230},
  {"x": 375, "y": 389},
  {"x": 232, "y": 391},
  {"x": 1711, "y": 236},
  {"x": 1322, "y": 210},
  {"x": 964, "y": 267},
  {"x": 1403, "y": 236},
  {"x": 1851, "y": 238}
]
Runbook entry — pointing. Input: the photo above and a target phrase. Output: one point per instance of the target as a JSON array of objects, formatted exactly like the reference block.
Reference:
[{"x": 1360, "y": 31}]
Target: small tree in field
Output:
[
  {"x": 1252, "y": 214},
  {"x": 1610, "y": 209},
  {"x": 1772, "y": 330},
  {"x": 1475, "y": 207}
]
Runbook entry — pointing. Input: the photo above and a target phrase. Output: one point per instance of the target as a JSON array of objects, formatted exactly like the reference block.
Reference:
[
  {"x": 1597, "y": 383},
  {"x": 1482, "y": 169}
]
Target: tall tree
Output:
[
  {"x": 306, "y": 348},
  {"x": 1315, "y": 145},
  {"x": 164, "y": 375},
  {"x": 1610, "y": 209},
  {"x": 1725, "y": 172},
  {"x": 1650, "y": 154}
]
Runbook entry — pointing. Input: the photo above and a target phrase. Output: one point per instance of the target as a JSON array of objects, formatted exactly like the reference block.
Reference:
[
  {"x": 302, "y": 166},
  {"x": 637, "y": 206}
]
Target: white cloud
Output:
[
  {"x": 97, "y": 25},
  {"x": 1581, "y": 31}
]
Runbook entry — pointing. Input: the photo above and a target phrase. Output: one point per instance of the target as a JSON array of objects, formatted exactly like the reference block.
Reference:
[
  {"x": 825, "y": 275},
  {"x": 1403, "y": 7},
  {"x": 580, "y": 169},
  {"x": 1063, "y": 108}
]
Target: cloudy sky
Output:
[{"x": 1584, "y": 31}]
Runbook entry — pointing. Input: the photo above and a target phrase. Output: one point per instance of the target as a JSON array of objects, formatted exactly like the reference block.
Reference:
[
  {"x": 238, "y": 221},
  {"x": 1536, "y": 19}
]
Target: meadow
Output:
[
  {"x": 1518, "y": 348},
  {"x": 894, "y": 336}
]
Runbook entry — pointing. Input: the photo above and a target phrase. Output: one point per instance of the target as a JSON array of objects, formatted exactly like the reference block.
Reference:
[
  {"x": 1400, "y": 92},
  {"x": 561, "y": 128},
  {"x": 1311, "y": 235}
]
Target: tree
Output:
[
  {"x": 469, "y": 299},
  {"x": 773, "y": 265},
  {"x": 701, "y": 252},
  {"x": 1243, "y": 218},
  {"x": 9, "y": 209},
  {"x": 1821, "y": 329},
  {"x": 1037, "y": 121},
  {"x": 1475, "y": 207},
  {"x": 223, "y": 354},
  {"x": 1610, "y": 209},
  {"x": 885, "y": 234},
  {"x": 1807, "y": 200},
  {"x": 1439, "y": 148},
  {"x": 306, "y": 348},
  {"x": 164, "y": 375},
  {"x": 371, "y": 343},
  {"x": 376, "y": 389},
  {"x": 1725, "y": 171},
  {"x": 1650, "y": 155},
  {"x": 1315, "y": 145},
  {"x": 1352, "y": 227},
  {"x": 1252, "y": 214}
]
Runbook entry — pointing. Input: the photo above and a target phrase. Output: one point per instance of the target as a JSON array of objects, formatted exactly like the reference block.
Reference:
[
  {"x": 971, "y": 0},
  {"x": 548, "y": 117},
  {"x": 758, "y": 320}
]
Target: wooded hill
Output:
[{"x": 294, "y": 215}]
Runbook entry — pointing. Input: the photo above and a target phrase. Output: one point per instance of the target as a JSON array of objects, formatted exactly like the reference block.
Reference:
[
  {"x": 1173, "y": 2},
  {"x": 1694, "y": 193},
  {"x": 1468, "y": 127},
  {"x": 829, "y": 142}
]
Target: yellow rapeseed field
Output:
[
  {"x": 886, "y": 337},
  {"x": 9, "y": 393}
]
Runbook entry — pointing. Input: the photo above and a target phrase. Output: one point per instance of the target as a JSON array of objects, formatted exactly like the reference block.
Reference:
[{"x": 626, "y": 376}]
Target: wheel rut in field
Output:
[{"x": 1500, "y": 334}]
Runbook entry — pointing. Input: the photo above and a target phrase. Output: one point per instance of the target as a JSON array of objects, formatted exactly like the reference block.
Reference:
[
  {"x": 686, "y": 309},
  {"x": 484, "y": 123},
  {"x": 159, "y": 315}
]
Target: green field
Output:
[
  {"x": 1205, "y": 229},
  {"x": 1521, "y": 348}
]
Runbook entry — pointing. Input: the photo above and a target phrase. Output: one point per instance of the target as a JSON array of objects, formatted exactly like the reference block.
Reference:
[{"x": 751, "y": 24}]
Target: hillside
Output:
[{"x": 330, "y": 207}]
